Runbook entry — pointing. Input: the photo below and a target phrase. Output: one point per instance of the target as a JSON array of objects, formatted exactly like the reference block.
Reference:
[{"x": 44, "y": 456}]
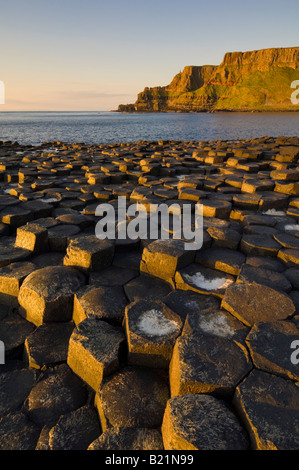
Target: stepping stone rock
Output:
[
  {"x": 13, "y": 332},
  {"x": 292, "y": 274},
  {"x": 11, "y": 278},
  {"x": 133, "y": 397},
  {"x": 112, "y": 277},
  {"x": 145, "y": 287},
  {"x": 128, "y": 439},
  {"x": 205, "y": 363},
  {"x": 103, "y": 302},
  {"x": 287, "y": 241},
  {"x": 15, "y": 216},
  {"x": 270, "y": 348},
  {"x": 151, "y": 330},
  {"x": 201, "y": 422},
  {"x": 267, "y": 277},
  {"x": 265, "y": 262},
  {"x": 187, "y": 302},
  {"x": 269, "y": 408},
  {"x": 15, "y": 386},
  {"x": 47, "y": 294},
  {"x": 259, "y": 245},
  {"x": 255, "y": 303},
  {"x": 89, "y": 254},
  {"x": 219, "y": 209},
  {"x": 224, "y": 238},
  {"x": 59, "y": 236},
  {"x": 203, "y": 280},
  {"x": 48, "y": 259},
  {"x": 75, "y": 430},
  {"x": 32, "y": 237},
  {"x": 289, "y": 256},
  {"x": 223, "y": 259},
  {"x": 48, "y": 344},
  {"x": 215, "y": 322},
  {"x": 56, "y": 394},
  {"x": 162, "y": 258},
  {"x": 9, "y": 254},
  {"x": 94, "y": 350},
  {"x": 18, "y": 432}
]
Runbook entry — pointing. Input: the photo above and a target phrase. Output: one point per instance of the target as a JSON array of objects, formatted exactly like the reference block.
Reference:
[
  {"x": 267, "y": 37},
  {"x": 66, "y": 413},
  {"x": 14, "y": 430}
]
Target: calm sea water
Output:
[{"x": 107, "y": 127}]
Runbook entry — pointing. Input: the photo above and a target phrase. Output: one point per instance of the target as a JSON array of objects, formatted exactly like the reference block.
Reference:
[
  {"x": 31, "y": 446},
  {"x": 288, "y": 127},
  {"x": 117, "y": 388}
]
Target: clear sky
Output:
[{"x": 96, "y": 54}]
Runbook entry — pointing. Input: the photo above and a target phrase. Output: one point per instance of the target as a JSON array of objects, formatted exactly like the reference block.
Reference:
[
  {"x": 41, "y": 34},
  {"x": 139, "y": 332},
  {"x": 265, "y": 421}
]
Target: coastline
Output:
[{"x": 105, "y": 333}]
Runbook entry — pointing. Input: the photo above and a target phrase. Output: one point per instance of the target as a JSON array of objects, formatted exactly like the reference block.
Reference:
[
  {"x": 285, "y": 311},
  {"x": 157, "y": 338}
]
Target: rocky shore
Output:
[{"x": 140, "y": 344}]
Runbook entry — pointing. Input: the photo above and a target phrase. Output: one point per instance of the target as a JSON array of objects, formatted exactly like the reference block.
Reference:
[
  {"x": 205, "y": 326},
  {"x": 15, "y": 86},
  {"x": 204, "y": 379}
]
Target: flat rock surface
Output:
[
  {"x": 128, "y": 439},
  {"x": 203, "y": 363},
  {"x": 254, "y": 303},
  {"x": 201, "y": 422},
  {"x": 269, "y": 406},
  {"x": 133, "y": 397}
]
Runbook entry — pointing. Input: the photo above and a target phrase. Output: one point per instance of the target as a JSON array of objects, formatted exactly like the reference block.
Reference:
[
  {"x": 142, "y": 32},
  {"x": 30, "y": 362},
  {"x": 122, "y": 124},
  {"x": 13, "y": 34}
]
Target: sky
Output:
[{"x": 92, "y": 55}]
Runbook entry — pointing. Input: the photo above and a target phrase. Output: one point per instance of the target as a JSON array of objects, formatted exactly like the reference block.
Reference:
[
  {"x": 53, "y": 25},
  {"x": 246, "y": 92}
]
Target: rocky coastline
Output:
[
  {"x": 253, "y": 81},
  {"x": 140, "y": 344}
]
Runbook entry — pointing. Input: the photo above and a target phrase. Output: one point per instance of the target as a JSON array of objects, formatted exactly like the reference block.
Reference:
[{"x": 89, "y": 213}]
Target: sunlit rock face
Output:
[{"x": 249, "y": 81}]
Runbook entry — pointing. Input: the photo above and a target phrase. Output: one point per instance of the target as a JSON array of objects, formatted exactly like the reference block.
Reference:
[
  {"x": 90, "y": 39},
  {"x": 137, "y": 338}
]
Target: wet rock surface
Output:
[{"x": 140, "y": 343}]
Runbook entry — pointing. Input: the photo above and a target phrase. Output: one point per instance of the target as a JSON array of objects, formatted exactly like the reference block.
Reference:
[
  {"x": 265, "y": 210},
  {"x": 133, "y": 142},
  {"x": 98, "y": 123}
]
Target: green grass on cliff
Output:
[{"x": 256, "y": 91}]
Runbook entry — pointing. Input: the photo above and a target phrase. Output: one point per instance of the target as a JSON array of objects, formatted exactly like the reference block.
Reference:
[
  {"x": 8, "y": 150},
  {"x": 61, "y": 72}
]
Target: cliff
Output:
[{"x": 244, "y": 81}]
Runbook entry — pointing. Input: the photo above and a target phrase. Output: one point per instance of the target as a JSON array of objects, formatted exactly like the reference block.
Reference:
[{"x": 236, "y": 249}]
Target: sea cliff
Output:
[{"x": 244, "y": 81}]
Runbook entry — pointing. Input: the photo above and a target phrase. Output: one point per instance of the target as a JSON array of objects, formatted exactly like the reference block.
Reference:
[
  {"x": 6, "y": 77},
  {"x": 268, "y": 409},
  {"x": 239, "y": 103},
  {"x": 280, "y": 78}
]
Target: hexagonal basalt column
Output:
[
  {"x": 151, "y": 329},
  {"x": 88, "y": 253},
  {"x": 47, "y": 294},
  {"x": 94, "y": 350},
  {"x": 204, "y": 363}
]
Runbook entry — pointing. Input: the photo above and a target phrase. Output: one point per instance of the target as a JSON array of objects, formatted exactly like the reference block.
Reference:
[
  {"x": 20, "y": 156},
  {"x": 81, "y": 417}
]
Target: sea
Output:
[{"x": 104, "y": 127}]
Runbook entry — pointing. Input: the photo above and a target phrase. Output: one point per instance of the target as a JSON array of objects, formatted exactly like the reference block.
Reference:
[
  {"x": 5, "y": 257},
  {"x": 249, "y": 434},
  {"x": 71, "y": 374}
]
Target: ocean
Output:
[{"x": 110, "y": 127}]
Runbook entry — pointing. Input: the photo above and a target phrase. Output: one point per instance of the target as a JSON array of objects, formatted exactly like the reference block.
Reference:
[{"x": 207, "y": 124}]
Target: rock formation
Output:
[{"x": 250, "y": 81}]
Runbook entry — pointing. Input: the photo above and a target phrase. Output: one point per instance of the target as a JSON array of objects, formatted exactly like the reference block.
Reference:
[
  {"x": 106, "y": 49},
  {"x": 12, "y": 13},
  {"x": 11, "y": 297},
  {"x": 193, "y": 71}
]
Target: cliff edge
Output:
[{"x": 244, "y": 81}]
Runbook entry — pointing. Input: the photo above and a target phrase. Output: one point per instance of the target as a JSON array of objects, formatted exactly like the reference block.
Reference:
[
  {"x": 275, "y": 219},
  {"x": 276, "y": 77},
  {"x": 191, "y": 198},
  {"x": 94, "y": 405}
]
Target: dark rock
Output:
[
  {"x": 58, "y": 393},
  {"x": 47, "y": 294},
  {"x": 75, "y": 430},
  {"x": 203, "y": 280},
  {"x": 112, "y": 276},
  {"x": 187, "y": 302},
  {"x": 11, "y": 278},
  {"x": 94, "y": 350},
  {"x": 15, "y": 386},
  {"x": 151, "y": 330},
  {"x": 206, "y": 363},
  {"x": 18, "y": 432},
  {"x": 142, "y": 287},
  {"x": 13, "y": 332},
  {"x": 201, "y": 422},
  {"x": 133, "y": 397},
  {"x": 259, "y": 245},
  {"x": 48, "y": 344},
  {"x": 223, "y": 259},
  {"x": 215, "y": 322},
  {"x": 163, "y": 258},
  {"x": 105, "y": 303},
  {"x": 89, "y": 254},
  {"x": 265, "y": 262},
  {"x": 270, "y": 348},
  {"x": 269, "y": 407},
  {"x": 128, "y": 439},
  {"x": 254, "y": 303},
  {"x": 267, "y": 277}
]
